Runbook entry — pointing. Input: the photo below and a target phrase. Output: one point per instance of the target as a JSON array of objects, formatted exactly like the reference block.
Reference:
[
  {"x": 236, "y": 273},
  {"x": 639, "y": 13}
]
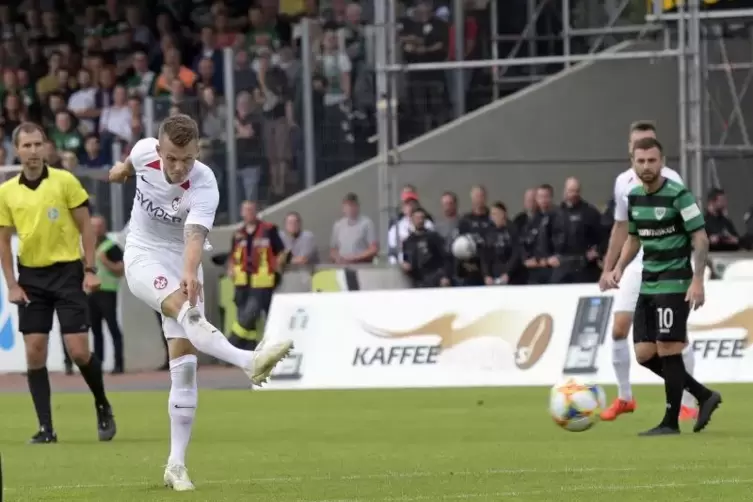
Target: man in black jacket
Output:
[
  {"x": 501, "y": 261},
  {"x": 543, "y": 238},
  {"x": 475, "y": 224},
  {"x": 581, "y": 224},
  {"x": 425, "y": 258},
  {"x": 722, "y": 233}
]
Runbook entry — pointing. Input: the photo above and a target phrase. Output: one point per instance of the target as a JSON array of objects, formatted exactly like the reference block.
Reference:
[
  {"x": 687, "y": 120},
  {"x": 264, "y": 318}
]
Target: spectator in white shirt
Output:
[
  {"x": 403, "y": 227},
  {"x": 116, "y": 119},
  {"x": 83, "y": 103}
]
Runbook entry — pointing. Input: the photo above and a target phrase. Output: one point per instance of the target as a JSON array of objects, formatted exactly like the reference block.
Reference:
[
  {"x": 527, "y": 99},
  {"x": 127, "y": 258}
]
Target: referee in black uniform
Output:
[{"x": 49, "y": 210}]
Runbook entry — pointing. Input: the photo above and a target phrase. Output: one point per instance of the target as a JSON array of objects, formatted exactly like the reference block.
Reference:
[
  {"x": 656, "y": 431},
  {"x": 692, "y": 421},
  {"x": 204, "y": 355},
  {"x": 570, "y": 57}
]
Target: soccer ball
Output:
[
  {"x": 575, "y": 405},
  {"x": 464, "y": 247}
]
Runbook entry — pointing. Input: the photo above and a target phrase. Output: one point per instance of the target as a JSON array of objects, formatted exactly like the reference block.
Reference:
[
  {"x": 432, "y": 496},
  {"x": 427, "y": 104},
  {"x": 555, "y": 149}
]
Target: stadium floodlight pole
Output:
[{"x": 543, "y": 60}]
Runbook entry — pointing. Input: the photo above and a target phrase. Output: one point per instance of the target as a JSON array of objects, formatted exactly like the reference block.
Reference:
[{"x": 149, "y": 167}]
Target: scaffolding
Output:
[{"x": 693, "y": 36}]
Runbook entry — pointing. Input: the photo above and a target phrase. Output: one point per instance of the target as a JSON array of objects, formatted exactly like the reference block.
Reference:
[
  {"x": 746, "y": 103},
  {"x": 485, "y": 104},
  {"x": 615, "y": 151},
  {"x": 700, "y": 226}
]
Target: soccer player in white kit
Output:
[
  {"x": 629, "y": 288},
  {"x": 173, "y": 211}
]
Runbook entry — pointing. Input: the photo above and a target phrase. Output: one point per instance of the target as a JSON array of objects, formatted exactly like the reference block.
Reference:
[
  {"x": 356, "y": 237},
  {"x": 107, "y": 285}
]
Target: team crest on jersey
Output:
[
  {"x": 160, "y": 282},
  {"x": 176, "y": 203},
  {"x": 659, "y": 212},
  {"x": 53, "y": 214}
]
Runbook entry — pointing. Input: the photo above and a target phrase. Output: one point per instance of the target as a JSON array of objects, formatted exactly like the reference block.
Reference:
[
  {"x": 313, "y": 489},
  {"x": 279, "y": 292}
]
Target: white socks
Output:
[
  {"x": 182, "y": 403},
  {"x": 621, "y": 362},
  {"x": 688, "y": 357},
  {"x": 209, "y": 340}
]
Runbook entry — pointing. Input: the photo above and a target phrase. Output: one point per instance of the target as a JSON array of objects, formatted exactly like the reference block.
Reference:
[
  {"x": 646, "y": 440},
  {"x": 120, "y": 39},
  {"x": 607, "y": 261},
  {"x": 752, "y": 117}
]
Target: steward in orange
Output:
[{"x": 257, "y": 256}]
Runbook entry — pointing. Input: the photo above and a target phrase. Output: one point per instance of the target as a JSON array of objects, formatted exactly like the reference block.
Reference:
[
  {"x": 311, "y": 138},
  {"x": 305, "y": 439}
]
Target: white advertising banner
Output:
[
  {"x": 492, "y": 336},
  {"x": 12, "y": 352}
]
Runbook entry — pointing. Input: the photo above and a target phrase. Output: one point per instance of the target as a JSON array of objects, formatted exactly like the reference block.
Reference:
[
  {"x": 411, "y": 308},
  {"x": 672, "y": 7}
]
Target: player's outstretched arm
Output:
[{"x": 121, "y": 171}]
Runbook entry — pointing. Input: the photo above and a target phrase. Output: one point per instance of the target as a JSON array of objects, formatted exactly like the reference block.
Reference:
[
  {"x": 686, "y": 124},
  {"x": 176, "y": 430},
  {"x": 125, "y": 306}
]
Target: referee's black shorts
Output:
[{"x": 56, "y": 288}]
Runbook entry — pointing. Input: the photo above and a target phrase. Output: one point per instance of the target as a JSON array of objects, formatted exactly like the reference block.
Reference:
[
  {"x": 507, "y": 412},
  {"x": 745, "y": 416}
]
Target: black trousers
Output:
[{"x": 103, "y": 306}]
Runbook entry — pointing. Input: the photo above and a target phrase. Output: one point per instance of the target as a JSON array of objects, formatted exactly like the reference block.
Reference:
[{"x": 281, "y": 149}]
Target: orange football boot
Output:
[
  {"x": 617, "y": 408},
  {"x": 688, "y": 413}
]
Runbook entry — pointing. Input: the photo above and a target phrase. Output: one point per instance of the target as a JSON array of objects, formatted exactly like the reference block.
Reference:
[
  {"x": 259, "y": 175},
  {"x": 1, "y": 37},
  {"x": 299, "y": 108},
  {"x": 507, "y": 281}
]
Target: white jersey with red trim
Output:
[{"x": 160, "y": 209}]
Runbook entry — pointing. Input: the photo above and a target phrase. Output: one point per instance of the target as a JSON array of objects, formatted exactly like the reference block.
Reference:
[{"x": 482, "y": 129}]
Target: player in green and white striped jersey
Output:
[{"x": 665, "y": 219}]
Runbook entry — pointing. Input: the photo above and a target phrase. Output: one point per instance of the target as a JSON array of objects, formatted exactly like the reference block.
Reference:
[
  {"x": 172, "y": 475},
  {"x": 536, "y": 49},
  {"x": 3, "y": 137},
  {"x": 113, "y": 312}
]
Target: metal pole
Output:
[
  {"x": 393, "y": 92},
  {"x": 531, "y": 18},
  {"x": 706, "y": 14},
  {"x": 150, "y": 121},
  {"x": 458, "y": 73},
  {"x": 231, "y": 146},
  {"x": 309, "y": 148},
  {"x": 682, "y": 91},
  {"x": 566, "y": 50},
  {"x": 117, "y": 209},
  {"x": 493, "y": 14},
  {"x": 695, "y": 86},
  {"x": 383, "y": 133},
  {"x": 543, "y": 60}
]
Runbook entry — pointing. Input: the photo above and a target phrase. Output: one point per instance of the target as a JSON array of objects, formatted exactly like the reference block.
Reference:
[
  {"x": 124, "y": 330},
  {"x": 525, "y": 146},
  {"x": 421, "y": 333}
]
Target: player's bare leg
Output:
[
  {"x": 625, "y": 402},
  {"x": 208, "y": 339},
  {"x": 182, "y": 404}
]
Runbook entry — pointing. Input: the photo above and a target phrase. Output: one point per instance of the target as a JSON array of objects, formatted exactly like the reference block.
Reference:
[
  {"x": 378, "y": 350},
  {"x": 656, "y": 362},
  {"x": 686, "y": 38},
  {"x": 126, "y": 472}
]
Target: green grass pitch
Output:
[{"x": 401, "y": 445}]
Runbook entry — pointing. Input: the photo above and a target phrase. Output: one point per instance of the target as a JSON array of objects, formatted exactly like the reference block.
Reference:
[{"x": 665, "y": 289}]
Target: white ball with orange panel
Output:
[{"x": 575, "y": 404}]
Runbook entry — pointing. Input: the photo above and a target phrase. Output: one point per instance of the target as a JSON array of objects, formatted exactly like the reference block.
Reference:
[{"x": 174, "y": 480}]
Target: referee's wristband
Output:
[{"x": 90, "y": 270}]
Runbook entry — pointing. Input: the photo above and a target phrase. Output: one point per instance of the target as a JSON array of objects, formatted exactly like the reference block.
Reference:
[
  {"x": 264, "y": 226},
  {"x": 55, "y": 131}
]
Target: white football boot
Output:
[
  {"x": 176, "y": 477},
  {"x": 266, "y": 358}
]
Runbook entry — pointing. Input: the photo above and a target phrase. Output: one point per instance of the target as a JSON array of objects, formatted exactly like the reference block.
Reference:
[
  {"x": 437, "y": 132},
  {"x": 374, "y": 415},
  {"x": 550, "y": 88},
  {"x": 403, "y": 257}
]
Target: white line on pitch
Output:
[
  {"x": 564, "y": 489},
  {"x": 385, "y": 475}
]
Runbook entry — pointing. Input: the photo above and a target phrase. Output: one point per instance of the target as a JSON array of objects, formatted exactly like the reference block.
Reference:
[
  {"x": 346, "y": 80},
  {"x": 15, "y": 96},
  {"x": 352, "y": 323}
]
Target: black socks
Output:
[
  {"x": 39, "y": 387},
  {"x": 696, "y": 389},
  {"x": 674, "y": 384},
  {"x": 92, "y": 373}
]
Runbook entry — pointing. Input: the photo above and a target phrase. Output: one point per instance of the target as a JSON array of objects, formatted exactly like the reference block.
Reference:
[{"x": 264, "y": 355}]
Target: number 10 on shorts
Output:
[{"x": 665, "y": 319}]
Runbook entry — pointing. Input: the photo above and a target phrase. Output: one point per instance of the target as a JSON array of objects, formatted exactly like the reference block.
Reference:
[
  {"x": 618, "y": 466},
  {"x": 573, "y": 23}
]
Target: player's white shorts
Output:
[
  {"x": 626, "y": 296},
  {"x": 153, "y": 277}
]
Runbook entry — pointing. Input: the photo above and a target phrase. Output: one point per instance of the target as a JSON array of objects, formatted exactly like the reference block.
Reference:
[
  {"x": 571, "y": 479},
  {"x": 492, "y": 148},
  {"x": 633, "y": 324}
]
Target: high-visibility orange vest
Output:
[{"x": 254, "y": 261}]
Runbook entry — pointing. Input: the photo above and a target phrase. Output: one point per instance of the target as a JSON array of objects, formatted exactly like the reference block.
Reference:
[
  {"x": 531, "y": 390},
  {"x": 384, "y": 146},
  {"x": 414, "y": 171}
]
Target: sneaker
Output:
[
  {"x": 266, "y": 358},
  {"x": 687, "y": 413},
  {"x": 617, "y": 408},
  {"x": 706, "y": 409},
  {"x": 105, "y": 423},
  {"x": 176, "y": 478},
  {"x": 44, "y": 436},
  {"x": 660, "y": 430}
]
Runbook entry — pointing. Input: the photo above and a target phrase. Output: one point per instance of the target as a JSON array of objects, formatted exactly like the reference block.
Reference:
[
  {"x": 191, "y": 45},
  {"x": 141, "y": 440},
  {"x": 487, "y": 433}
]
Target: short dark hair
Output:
[
  {"x": 643, "y": 126},
  {"x": 180, "y": 129},
  {"x": 647, "y": 144},
  {"x": 546, "y": 186},
  {"x": 351, "y": 197},
  {"x": 418, "y": 209},
  {"x": 27, "y": 128},
  {"x": 500, "y": 205},
  {"x": 714, "y": 194},
  {"x": 451, "y": 195}
]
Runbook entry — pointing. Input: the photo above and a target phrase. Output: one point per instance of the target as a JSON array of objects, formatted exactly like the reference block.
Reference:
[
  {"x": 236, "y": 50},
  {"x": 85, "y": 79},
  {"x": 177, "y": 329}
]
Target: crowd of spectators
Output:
[
  {"x": 86, "y": 71},
  {"x": 546, "y": 243}
]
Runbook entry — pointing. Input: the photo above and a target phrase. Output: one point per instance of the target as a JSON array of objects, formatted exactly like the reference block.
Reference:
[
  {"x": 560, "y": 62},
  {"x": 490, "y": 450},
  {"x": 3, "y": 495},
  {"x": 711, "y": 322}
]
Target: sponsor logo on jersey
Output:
[
  {"x": 176, "y": 203},
  {"x": 656, "y": 232},
  {"x": 154, "y": 210}
]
